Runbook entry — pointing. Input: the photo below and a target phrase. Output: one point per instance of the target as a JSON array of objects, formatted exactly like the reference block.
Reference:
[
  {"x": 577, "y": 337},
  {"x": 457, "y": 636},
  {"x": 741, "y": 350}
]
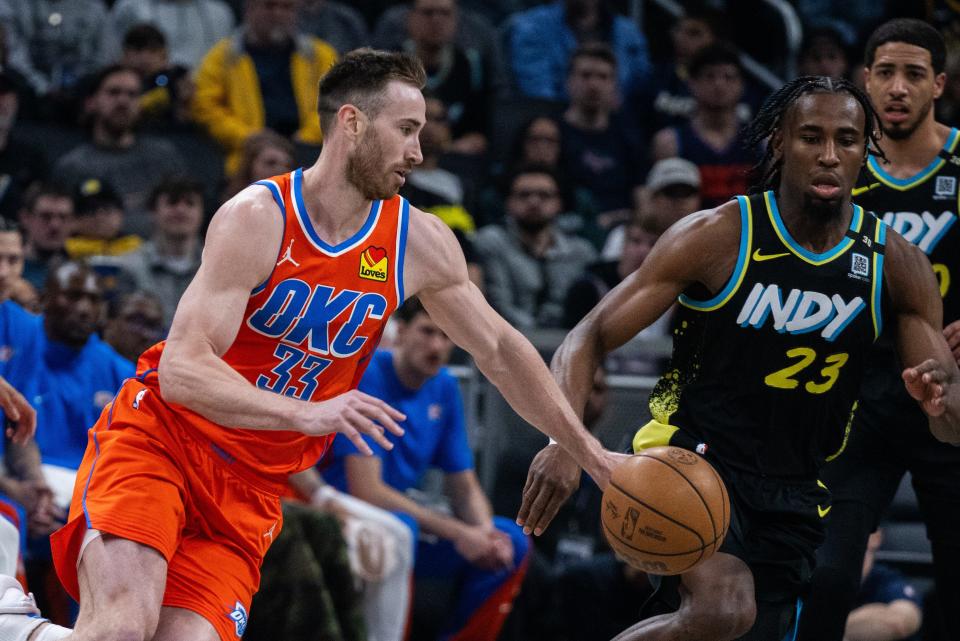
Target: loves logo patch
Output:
[{"x": 373, "y": 264}]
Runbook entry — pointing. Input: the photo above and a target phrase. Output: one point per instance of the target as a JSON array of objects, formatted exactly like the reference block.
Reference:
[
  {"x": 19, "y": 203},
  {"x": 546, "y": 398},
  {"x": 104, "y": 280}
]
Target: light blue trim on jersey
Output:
[
  {"x": 743, "y": 260},
  {"x": 277, "y": 198},
  {"x": 925, "y": 173},
  {"x": 943, "y": 232},
  {"x": 402, "y": 247},
  {"x": 817, "y": 259},
  {"x": 792, "y": 634},
  {"x": 307, "y": 225},
  {"x": 881, "y": 237}
]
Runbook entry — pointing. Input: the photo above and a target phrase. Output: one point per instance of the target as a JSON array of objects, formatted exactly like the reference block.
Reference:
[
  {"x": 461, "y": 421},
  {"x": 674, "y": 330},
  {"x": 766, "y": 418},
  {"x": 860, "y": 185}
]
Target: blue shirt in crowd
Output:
[{"x": 436, "y": 435}]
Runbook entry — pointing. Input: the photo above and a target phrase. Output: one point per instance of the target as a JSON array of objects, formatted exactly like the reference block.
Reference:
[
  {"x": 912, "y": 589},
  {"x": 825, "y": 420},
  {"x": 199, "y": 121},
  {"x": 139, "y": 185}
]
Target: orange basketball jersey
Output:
[{"x": 309, "y": 330}]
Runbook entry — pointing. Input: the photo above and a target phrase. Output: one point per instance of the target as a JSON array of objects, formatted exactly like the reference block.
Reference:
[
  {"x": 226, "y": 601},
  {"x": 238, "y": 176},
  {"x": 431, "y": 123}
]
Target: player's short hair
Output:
[
  {"x": 38, "y": 190},
  {"x": 175, "y": 188},
  {"x": 144, "y": 37},
  {"x": 718, "y": 53},
  {"x": 594, "y": 50},
  {"x": 913, "y": 32},
  {"x": 359, "y": 79},
  {"x": 410, "y": 309}
]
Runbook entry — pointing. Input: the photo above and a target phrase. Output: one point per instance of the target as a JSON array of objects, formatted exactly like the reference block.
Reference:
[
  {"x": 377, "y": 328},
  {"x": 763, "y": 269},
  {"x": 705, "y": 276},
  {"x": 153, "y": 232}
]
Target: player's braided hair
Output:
[{"x": 766, "y": 173}]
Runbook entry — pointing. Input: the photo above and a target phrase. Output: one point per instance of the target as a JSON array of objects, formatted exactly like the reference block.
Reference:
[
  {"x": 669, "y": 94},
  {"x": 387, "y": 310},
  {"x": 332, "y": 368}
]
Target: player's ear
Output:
[
  {"x": 351, "y": 120},
  {"x": 776, "y": 144}
]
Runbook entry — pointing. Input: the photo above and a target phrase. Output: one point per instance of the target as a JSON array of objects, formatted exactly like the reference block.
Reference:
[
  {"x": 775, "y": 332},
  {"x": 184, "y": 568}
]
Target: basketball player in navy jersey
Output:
[
  {"x": 915, "y": 192},
  {"x": 782, "y": 295}
]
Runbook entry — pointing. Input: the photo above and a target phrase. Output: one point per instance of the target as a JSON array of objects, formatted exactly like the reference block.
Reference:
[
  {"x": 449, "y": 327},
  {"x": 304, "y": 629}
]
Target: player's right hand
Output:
[
  {"x": 553, "y": 477},
  {"x": 353, "y": 414},
  {"x": 19, "y": 413}
]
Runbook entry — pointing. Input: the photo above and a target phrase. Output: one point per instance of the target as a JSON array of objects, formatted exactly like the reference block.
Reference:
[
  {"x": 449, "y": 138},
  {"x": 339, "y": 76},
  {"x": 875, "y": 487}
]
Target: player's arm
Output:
[
  {"x": 435, "y": 270},
  {"x": 700, "y": 248},
  {"x": 239, "y": 254},
  {"x": 930, "y": 375}
]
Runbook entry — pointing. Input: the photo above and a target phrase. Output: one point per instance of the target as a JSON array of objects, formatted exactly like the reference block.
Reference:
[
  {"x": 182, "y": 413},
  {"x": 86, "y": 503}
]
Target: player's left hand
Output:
[
  {"x": 927, "y": 384},
  {"x": 21, "y": 416},
  {"x": 952, "y": 333}
]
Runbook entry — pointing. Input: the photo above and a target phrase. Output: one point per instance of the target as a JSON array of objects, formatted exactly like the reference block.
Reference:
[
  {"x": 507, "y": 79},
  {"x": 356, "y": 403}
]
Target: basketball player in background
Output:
[
  {"x": 915, "y": 192},
  {"x": 780, "y": 302},
  {"x": 177, "y": 498}
]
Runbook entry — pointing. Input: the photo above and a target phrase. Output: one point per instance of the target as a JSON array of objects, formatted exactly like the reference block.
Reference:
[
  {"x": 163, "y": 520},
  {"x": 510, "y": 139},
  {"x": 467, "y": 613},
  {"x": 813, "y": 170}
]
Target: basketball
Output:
[{"x": 665, "y": 510}]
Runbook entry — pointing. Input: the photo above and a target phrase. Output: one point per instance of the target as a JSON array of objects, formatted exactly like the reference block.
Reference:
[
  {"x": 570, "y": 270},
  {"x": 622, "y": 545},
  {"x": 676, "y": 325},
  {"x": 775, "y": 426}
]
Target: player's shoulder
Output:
[
  {"x": 717, "y": 225},
  {"x": 253, "y": 210}
]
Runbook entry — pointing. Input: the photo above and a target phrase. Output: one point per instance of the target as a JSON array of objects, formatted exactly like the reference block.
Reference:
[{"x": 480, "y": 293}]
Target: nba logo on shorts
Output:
[
  {"x": 239, "y": 618},
  {"x": 945, "y": 186}
]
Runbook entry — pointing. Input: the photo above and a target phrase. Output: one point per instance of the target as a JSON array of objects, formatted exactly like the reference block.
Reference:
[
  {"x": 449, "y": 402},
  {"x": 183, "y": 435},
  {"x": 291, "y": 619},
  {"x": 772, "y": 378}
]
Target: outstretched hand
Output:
[
  {"x": 927, "y": 383},
  {"x": 22, "y": 419},
  {"x": 354, "y": 414}
]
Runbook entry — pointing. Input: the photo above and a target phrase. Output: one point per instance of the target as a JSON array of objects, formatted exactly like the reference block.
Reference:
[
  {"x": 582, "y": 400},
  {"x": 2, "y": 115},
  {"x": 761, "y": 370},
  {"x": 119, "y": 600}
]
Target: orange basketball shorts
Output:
[{"x": 147, "y": 477}]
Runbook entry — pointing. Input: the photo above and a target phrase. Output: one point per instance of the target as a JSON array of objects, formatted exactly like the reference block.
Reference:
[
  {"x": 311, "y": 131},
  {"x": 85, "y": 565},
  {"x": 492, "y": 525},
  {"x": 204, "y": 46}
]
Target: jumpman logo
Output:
[
  {"x": 269, "y": 533},
  {"x": 287, "y": 256}
]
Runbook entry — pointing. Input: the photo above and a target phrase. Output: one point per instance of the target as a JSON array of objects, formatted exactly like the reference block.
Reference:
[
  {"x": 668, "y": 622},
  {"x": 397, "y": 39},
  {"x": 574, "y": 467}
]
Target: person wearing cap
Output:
[
  {"x": 98, "y": 223},
  {"x": 712, "y": 137}
]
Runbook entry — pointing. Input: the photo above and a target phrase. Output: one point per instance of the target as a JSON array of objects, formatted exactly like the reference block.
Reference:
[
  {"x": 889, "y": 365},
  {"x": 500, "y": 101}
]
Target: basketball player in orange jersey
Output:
[
  {"x": 781, "y": 296},
  {"x": 176, "y": 500}
]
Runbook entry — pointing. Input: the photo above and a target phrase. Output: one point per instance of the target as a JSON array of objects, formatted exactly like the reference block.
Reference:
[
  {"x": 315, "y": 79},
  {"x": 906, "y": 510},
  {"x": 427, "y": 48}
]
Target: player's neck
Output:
[
  {"x": 810, "y": 230},
  {"x": 336, "y": 208},
  {"x": 912, "y": 154}
]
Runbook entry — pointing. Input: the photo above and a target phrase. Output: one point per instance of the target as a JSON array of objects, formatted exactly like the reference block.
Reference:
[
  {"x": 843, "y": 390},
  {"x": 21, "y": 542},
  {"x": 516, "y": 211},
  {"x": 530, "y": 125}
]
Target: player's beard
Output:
[
  {"x": 823, "y": 210},
  {"x": 365, "y": 169},
  {"x": 905, "y": 130}
]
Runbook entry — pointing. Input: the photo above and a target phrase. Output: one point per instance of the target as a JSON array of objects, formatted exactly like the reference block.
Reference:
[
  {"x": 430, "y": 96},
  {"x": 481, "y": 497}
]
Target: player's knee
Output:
[{"x": 727, "y": 611}]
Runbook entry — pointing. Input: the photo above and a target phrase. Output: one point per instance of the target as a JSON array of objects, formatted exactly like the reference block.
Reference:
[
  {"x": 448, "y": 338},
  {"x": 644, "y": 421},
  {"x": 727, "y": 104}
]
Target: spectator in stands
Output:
[
  {"x": 20, "y": 162},
  {"x": 852, "y": 18},
  {"x": 22, "y": 479},
  {"x": 307, "y": 586},
  {"x": 12, "y": 284},
  {"x": 190, "y": 27},
  {"x": 671, "y": 192},
  {"x": 666, "y": 99},
  {"x": 167, "y": 89},
  {"x": 166, "y": 263},
  {"x": 485, "y": 556},
  {"x": 135, "y": 325},
  {"x": 528, "y": 262},
  {"x": 380, "y": 548},
  {"x": 543, "y": 39},
  {"x": 463, "y": 82},
  {"x": 263, "y": 155},
  {"x": 131, "y": 162},
  {"x": 47, "y": 218},
  {"x": 712, "y": 138},
  {"x": 599, "y": 153},
  {"x": 78, "y": 373},
  {"x": 474, "y": 34},
  {"x": 823, "y": 53},
  {"x": 888, "y": 607},
  {"x": 336, "y": 23},
  {"x": 98, "y": 223},
  {"x": 264, "y": 76},
  {"x": 602, "y": 276},
  {"x": 54, "y": 43}
]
